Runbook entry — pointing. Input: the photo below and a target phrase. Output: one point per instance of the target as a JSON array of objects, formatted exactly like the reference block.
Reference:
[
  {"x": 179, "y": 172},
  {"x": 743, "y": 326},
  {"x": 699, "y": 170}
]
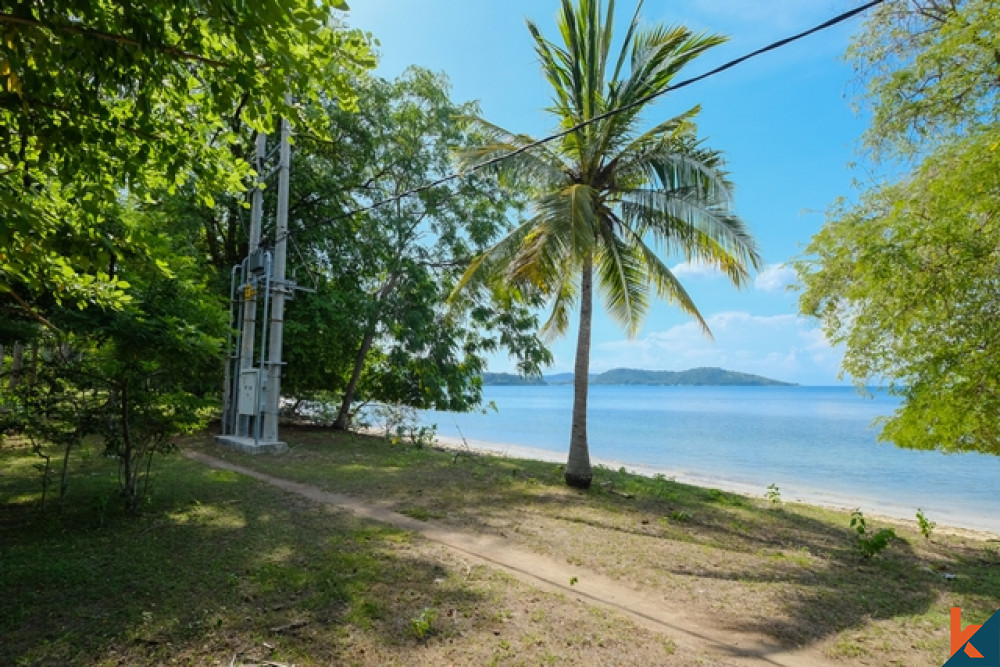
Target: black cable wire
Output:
[{"x": 840, "y": 18}]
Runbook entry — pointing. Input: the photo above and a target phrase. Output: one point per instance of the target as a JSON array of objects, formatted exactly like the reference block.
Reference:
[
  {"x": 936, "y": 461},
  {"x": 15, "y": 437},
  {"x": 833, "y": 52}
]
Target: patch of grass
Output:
[
  {"x": 221, "y": 568},
  {"x": 795, "y": 569},
  {"x": 421, "y": 513},
  {"x": 220, "y": 565}
]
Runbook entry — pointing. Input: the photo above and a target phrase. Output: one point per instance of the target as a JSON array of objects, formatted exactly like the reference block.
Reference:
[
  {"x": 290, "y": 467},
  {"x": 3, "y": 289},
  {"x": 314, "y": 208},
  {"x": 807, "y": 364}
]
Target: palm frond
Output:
[
  {"x": 629, "y": 155},
  {"x": 563, "y": 301},
  {"x": 499, "y": 254},
  {"x": 695, "y": 228},
  {"x": 555, "y": 65},
  {"x": 626, "y": 43},
  {"x": 524, "y": 162},
  {"x": 675, "y": 166},
  {"x": 623, "y": 280},
  {"x": 666, "y": 284}
]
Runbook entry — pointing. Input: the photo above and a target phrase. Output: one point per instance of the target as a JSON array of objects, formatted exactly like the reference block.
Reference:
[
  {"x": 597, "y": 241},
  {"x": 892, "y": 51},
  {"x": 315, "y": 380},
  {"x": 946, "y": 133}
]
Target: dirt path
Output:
[{"x": 649, "y": 611}]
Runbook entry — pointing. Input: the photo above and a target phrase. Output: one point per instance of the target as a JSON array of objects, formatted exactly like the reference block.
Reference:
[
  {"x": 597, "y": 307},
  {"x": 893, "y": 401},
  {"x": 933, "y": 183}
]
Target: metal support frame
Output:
[{"x": 257, "y": 431}]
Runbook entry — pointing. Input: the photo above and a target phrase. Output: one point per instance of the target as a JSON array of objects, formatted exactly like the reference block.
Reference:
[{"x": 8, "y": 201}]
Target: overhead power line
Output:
[{"x": 840, "y": 18}]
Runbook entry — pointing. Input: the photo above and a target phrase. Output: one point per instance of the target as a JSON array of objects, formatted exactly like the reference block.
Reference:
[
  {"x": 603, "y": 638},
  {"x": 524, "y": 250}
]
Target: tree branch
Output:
[
  {"x": 32, "y": 313},
  {"x": 111, "y": 37}
]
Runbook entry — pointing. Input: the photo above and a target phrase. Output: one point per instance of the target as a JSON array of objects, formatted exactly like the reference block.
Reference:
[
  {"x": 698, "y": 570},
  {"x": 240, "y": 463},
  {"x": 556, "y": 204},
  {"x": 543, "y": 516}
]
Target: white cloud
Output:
[
  {"x": 691, "y": 270},
  {"x": 785, "y": 347},
  {"x": 775, "y": 277}
]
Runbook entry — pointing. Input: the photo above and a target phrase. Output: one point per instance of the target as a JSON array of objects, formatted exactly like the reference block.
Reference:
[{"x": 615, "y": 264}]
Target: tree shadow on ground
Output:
[
  {"x": 817, "y": 581},
  {"x": 218, "y": 568}
]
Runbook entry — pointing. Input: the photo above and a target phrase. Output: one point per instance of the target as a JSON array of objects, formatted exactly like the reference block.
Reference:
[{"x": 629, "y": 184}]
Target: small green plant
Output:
[
  {"x": 717, "y": 496},
  {"x": 858, "y": 522},
  {"x": 422, "y": 625},
  {"x": 876, "y": 543},
  {"x": 773, "y": 493},
  {"x": 681, "y": 516},
  {"x": 926, "y": 525},
  {"x": 573, "y": 581}
]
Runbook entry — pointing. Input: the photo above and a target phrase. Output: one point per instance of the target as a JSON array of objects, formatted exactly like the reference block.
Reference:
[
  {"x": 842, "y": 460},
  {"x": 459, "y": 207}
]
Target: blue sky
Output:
[{"x": 785, "y": 122}]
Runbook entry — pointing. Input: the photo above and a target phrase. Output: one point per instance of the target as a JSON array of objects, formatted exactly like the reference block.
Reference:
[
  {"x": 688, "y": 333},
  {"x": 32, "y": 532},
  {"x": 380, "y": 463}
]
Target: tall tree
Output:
[
  {"x": 929, "y": 72},
  {"x": 102, "y": 97},
  {"x": 906, "y": 278},
  {"x": 379, "y": 328},
  {"x": 607, "y": 197}
]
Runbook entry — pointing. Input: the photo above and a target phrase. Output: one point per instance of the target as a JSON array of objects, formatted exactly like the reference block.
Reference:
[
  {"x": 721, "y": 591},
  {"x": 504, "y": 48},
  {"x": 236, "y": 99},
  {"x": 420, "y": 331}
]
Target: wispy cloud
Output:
[
  {"x": 786, "y": 347},
  {"x": 693, "y": 270},
  {"x": 775, "y": 277}
]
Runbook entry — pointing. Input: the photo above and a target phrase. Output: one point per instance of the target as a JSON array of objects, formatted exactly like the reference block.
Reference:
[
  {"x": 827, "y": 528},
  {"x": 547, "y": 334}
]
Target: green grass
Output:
[
  {"x": 215, "y": 557},
  {"x": 797, "y": 565},
  {"x": 220, "y": 566}
]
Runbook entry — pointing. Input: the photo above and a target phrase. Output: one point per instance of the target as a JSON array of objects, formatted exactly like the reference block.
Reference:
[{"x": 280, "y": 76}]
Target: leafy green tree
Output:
[
  {"x": 929, "y": 69},
  {"x": 102, "y": 97},
  {"x": 905, "y": 279},
  {"x": 379, "y": 327},
  {"x": 135, "y": 375},
  {"x": 907, "y": 282},
  {"x": 607, "y": 197}
]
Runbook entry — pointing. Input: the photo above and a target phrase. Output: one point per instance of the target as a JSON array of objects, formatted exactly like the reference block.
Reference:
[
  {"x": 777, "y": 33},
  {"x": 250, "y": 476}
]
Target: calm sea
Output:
[{"x": 815, "y": 443}]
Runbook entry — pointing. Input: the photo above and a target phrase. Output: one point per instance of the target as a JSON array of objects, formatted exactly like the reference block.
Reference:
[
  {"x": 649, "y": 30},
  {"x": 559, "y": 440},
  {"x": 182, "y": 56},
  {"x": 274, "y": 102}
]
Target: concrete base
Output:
[{"x": 251, "y": 446}]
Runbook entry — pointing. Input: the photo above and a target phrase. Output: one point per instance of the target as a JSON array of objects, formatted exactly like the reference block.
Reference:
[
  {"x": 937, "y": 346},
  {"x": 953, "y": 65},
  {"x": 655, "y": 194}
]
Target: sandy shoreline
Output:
[{"x": 976, "y": 525}]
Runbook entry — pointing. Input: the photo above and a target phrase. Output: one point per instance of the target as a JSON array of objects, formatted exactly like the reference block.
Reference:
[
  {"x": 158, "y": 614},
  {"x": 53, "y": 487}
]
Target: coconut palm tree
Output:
[{"x": 609, "y": 201}]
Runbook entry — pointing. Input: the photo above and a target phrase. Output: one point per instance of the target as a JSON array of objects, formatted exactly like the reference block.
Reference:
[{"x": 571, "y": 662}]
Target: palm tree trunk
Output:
[{"x": 578, "y": 472}]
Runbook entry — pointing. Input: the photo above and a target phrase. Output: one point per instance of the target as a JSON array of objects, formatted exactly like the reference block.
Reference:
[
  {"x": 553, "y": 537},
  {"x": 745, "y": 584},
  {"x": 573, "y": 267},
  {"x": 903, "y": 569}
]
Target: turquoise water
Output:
[{"x": 816, "y": 443}]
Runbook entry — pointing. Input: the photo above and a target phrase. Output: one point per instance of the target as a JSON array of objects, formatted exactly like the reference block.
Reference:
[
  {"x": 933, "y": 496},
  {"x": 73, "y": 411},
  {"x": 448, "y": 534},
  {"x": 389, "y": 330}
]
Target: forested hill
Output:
[
  {"x": 509, "y": 379},
  {"x": 692, "y": 377}
]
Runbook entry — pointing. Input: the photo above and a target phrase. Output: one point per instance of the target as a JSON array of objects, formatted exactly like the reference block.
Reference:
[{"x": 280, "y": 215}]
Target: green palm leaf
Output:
[{"x": 610, "y": 201}]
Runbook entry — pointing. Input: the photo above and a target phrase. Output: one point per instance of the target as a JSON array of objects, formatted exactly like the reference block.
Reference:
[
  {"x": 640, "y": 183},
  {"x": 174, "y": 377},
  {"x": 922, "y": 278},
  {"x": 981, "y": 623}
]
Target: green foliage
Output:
[
  {"x": 905, "y": 282},
  {"x": 858, "y": 521},
  {"x": 870, "y": 545},
  {"x": 422, "y": 625},
  {"x": 165, "y": 83},
  {"x": 378, "y": 328},
  {"x": 773, "y": 494},
  {"x": 905, "y": 278},
  {"x": 608, "y": 200},
  {"x": 929, "y": 70},
  {"x": 925, "y": 524},
  {"x": 135, "y": 376}
]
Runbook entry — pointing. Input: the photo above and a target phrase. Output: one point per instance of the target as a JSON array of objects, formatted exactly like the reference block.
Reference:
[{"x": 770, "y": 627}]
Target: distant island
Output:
[
  {"x": 714, "y": 377},
  {"x": 504, "y": 379}
]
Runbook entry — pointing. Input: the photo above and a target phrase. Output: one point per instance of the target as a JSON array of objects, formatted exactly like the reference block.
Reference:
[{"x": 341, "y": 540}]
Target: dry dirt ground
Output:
[{"x": 579, "y": 592}]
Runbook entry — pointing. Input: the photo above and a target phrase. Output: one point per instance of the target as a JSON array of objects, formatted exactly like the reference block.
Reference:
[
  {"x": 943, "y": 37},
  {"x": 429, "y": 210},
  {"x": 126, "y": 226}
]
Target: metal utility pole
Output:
[
  {"x": 252, "y": 394},
  {"x": 249, "y": 332},
  {"x": 280, "y": 290}
]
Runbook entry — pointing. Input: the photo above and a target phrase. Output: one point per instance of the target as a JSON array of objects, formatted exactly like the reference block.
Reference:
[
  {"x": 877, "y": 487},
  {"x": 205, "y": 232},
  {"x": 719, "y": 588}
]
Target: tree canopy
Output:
[
  {"x": 111, "y": 112},
  {"x": 929, "y": 72},
  {"x": 103, "y": 98},
  {"x": 379, "y": 328},
  {"x": 906, "y": 279}
]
